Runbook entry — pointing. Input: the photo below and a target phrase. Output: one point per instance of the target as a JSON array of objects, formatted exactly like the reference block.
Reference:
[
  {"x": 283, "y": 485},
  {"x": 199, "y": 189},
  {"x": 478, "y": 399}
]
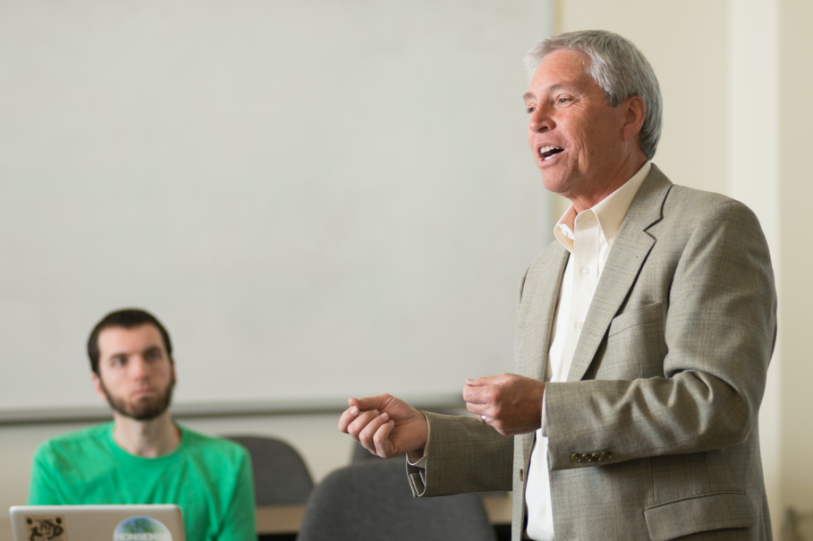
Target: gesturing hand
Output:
[
  {"x": 385, "y": 425},
  {"x": 511, "y": 404}
]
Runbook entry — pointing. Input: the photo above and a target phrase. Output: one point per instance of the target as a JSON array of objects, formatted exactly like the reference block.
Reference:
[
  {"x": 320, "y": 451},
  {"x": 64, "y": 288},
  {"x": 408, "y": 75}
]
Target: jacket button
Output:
[
  {"x": 521, "y": 475},
  {"x": 597, "y": 456},
  {"x": 586, "y": 458},
  {"x": 576, "y": 457},
  {"x": 607, "y": 455}
]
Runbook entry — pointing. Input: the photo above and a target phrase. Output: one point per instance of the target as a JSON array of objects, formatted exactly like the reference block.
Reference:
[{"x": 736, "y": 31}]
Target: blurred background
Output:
[{"x": 327, "y": 198}]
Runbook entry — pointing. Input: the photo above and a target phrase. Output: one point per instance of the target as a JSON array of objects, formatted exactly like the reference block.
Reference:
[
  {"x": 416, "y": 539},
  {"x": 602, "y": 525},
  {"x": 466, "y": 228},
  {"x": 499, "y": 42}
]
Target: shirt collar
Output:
[{"x": 610, "y": 211}]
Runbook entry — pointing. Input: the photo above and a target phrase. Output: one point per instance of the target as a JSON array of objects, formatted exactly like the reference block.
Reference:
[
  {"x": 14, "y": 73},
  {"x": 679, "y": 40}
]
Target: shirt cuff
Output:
[{"x": 418, "y": 462}]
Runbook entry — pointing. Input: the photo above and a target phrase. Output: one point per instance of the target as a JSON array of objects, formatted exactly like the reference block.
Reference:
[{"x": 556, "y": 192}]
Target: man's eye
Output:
[
  {"x": 118, "y": 361},
  {"x": 563, "y": 100},
  {"x": 530, "y": 109}
]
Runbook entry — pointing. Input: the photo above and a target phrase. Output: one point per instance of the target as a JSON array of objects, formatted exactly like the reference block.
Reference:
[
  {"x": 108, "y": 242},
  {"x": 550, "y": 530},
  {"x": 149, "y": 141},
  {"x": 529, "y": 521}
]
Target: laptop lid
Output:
[{"x": 97, "y": 523}]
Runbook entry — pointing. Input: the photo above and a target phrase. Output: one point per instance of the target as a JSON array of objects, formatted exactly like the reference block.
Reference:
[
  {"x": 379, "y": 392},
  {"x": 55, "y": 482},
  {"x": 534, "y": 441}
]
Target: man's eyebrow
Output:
[
  {"x": 549, "y": 89},
  {"x": 157, "y": 351}
]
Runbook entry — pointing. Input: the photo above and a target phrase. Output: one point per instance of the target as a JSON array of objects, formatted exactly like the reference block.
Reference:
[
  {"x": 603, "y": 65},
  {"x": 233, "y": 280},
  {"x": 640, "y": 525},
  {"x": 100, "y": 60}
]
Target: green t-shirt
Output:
[{"x": 209, "y": 478}]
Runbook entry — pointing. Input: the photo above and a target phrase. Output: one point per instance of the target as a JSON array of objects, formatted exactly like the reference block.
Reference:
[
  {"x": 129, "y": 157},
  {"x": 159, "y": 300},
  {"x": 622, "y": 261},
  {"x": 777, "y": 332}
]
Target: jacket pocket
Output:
[
  {"x": 644, "y": 314},
  {"x": 701, "y": 513}
]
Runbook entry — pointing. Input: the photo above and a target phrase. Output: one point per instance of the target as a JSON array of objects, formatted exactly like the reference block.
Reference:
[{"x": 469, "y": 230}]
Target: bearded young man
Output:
[{"x": 143, "y": 457}]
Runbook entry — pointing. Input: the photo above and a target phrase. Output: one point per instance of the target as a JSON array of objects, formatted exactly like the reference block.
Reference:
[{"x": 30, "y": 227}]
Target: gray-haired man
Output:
[{"x": 642, "y": 341}]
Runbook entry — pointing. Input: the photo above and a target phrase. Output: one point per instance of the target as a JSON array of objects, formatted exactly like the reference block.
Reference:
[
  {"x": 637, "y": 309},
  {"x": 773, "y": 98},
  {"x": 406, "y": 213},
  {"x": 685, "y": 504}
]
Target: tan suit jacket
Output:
[{"x": 654, "y": 435}]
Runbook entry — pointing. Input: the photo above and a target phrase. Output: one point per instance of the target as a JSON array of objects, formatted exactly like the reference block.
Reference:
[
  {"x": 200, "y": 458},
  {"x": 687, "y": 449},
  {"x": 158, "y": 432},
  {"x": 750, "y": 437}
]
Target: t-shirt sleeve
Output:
[
  {"x": 239, "y": 523},
  {"x": 43, "y": 487}
]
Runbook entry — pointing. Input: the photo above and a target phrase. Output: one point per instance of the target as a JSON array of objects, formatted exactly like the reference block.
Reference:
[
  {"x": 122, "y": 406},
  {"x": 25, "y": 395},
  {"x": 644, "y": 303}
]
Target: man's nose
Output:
[
  {"x": 540, "y": 120},
  {"x": 138, "y": 368}
]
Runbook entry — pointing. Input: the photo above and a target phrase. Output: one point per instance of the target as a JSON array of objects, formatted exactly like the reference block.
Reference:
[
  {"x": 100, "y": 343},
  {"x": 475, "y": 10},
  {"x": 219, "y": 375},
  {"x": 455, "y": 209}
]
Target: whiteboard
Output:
[{"x": 318, "y": 198}]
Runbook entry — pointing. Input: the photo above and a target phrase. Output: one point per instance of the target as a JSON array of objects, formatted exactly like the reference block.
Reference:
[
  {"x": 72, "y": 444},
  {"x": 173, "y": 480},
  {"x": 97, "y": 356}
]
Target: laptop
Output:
[{"x": 97, "y": 523}]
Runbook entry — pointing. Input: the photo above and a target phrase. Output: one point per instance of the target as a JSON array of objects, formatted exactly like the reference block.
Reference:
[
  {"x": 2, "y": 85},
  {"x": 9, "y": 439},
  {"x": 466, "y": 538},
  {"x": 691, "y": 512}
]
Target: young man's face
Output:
[{"x": 136, "y": 375}]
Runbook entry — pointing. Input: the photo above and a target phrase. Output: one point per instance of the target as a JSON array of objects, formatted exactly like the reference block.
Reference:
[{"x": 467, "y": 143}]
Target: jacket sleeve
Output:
[
  {"x": 463, "y": 455},
  {"x": 717, "y": 323}
]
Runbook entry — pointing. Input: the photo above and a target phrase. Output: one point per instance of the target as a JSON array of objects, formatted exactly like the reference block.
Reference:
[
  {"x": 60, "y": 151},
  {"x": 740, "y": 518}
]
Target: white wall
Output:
[
  {"x": 302, "y": 191},
  {"x": 796, "y": 220},
  {"x": 753, "y": 73},
  {"x": 312, "y": 195}
]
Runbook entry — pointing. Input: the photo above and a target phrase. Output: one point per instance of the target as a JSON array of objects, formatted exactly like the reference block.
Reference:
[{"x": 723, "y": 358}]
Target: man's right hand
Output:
[{"x": 385, "y": 425}]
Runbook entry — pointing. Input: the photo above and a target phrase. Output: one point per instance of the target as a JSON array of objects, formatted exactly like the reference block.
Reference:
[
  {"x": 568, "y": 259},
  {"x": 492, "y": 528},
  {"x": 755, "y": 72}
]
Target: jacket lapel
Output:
[
  {"x": 539, "y": 324},
  {"x": 630, "y": 248}
]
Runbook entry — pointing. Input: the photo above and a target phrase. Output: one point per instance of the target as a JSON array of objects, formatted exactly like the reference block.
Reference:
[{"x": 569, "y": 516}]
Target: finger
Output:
[
  {"x": 477, "y": 409},
  {"x": 478, "y": 382},
  {"x": 477, "y": 394},
  {"x": 361, "y": 421},
  {"x": 366, "y": 436},
  {"x": 357, "y": 426},
  {"x": 368, "y": 403},
  {"x": 383, "y": 444},
  {"x": 347, "y": 417}
]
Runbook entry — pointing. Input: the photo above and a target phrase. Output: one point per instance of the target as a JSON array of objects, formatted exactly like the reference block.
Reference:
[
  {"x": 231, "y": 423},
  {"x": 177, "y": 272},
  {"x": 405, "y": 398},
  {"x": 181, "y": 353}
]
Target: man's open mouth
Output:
[{"x": 547, "y": 152}]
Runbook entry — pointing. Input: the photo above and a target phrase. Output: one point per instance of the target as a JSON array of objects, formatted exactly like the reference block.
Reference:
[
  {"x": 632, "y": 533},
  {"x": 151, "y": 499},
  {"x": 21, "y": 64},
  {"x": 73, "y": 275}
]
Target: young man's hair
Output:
[{"x": 128, "y": 318}]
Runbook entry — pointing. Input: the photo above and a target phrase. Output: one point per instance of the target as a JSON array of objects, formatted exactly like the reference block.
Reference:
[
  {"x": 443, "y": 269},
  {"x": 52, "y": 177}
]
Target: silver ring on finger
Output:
[{"x": 483, "y": 419}]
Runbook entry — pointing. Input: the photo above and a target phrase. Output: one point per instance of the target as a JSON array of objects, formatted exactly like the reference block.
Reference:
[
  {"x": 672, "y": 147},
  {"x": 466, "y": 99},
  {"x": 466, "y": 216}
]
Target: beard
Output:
[{"x": 145, "y": 409}]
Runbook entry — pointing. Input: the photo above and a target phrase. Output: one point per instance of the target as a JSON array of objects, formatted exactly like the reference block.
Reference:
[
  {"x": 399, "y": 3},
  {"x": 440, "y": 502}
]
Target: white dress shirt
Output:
[{"x": 589, "y": 238}]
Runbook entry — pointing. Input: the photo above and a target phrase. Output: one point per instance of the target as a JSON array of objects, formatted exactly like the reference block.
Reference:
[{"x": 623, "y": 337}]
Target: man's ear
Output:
[
  {"x": 634, "y": 110},
  {"x": 97, "y": 386}
]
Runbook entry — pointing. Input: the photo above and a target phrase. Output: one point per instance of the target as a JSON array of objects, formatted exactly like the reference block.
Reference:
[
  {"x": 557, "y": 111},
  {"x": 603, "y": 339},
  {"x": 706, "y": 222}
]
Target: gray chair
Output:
[
  {"x": 371, "y": 500},
  {"x": 280, "y": 475}
]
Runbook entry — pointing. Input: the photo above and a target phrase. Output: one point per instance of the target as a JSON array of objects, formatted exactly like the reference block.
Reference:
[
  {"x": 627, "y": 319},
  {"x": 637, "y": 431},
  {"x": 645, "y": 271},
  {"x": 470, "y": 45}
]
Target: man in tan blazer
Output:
[{"x": 642, "y": 341}]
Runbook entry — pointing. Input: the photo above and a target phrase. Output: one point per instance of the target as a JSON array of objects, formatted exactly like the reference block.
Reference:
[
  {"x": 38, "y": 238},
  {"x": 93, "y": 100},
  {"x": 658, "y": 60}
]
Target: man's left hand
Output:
[{"x": 511, "y": 404}]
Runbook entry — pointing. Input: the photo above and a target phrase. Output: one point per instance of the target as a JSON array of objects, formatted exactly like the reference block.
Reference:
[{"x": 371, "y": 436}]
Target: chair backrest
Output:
[
  {"x": 280, "y": 475},
  {"x": 371, "y": 500}
]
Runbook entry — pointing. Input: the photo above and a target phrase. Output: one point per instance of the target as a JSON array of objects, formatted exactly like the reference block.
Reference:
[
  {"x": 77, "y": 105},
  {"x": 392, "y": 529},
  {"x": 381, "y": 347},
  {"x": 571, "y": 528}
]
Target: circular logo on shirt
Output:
[{"x": 141, "y": 529}]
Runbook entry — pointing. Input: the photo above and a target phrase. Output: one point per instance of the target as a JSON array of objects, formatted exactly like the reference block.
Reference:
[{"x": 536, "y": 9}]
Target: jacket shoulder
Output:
[{"x": 683, "y": 196}]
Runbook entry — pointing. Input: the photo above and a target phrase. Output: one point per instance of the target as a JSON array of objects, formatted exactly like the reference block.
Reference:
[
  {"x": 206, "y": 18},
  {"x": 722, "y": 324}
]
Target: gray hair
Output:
[{"x": 619, "y": 68}]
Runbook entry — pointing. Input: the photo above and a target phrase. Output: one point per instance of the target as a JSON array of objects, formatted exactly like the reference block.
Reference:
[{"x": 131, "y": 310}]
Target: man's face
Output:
[
  {"x": 136, "y": 375},
  {"x": 575, "y": 135}
]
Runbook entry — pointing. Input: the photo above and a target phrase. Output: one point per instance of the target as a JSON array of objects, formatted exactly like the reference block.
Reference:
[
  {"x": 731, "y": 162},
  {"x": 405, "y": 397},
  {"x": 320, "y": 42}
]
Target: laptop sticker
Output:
[
  {"x": 45, "y": 528},
  {"x": 141, "y": 529}
]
